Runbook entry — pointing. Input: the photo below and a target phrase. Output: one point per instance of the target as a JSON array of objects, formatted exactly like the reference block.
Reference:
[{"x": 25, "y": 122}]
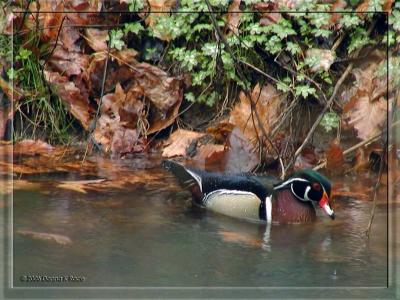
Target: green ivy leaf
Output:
[
  {"x": 350, "y": 20},
  {"x": 133, "y": 27},
  {"x": 293, "y": 48},
  {"x": 304, "y": 90},
  {"x": 190, "y": 97},
  {"x": 330, "y": 121},
  {"x": 282, "y": 87},
  {"x": 116, "y": 39},
  {"x": 359, "y": 39},
  {"x": 135, "y": 5}
]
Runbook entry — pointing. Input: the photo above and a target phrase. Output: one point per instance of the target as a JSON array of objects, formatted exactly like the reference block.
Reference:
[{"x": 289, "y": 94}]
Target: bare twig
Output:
[
  {"x": 259, "y": 71},
  {"x": 93, "y": 125},
  {"x": 293, "y": 72},
  {"x": 383, "y": 158},
  {"x": 376, "y": 187},
  {"x": 326, "y": 107}
]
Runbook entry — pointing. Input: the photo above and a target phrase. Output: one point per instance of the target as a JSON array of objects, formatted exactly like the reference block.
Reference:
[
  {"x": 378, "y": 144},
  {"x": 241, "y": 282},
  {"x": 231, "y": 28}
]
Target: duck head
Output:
[{"x": 309, "y": 186}]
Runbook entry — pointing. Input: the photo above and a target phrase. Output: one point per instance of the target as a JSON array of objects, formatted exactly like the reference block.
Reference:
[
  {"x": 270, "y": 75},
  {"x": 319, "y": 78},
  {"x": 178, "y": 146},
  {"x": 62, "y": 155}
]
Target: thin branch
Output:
[
  {"x": 259, "y": 71},
  {"x": 376, "y": 187},
  {"x": 328, "y": 104},
  {"x": 241, "y": 76},
  {"x": 357, "y": 146},
  {"x": 324, "y": 110},
  {"x": 383, "y": 158},
  {"x": 93, "y": 125}
]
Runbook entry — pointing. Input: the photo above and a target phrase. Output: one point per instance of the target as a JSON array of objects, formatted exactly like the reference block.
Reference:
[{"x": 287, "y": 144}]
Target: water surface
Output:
[{"x": 150, "y": 236}]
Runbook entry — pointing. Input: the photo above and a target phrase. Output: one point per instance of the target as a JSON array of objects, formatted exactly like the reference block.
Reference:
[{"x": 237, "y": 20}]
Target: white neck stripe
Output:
[
  {"x": 196, "y": 177},
  {"x": 285, "y": 183}
]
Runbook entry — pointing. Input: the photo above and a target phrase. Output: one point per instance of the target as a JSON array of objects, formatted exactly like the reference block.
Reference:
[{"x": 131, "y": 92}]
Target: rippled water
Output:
[{"x": 152, "y": 236}]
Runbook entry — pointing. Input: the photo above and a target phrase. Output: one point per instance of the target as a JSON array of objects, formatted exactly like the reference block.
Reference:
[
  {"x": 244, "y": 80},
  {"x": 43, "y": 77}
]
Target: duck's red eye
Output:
[{"x": 316, "y": 186}]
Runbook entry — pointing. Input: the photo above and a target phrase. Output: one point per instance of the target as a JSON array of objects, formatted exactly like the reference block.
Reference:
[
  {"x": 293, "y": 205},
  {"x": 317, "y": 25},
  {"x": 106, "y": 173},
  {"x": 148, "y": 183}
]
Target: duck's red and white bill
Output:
[{"x": 324, "y": 203}]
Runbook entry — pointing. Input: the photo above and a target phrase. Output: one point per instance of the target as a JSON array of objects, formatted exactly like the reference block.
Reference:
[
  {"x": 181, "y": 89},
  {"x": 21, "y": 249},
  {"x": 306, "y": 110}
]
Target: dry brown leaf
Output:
[
  {"x": 240, "y": 156},
  {"x": 97, "y": 39},
  {"x": 268, "y": 105},
  {"x": 126, "y": 140},
  {"x": 32, "y": 147},
  {"x": 126, "y": 56},
  {"x": 50, "y": 22},
  {"x": 269, "y": 14},
  {"x": 163, "y": 91},
  {"x": 116, "y": 128},
  {"x": 367, "y": 109},
  {"x": 78, "y": 4},
  {"x": 210, "y": 153},
  {"x": 364, "y": 6},
  {"x": 178, "y": 142},
  {"x": 307, "y": 159},
  {"x": 57, "y": 238},
  {"x": 79, "y": 186},
  {"x": 338, "y": 5},
  {"x": 69, "y": 63},
  {"x": 7, "y": 20},
  {"x": 334, "y": 158},
  {"x": 160, "y": 121},
  {"x": 77, "y": 103},
  {"x": 221, "y": 131},
  {"x": 387, "y": 6},
  {"x": 233, "y": 18}
]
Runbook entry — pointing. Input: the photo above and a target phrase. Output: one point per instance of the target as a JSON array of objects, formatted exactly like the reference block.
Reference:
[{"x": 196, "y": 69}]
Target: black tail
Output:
[{"x": 185, "y": 177}]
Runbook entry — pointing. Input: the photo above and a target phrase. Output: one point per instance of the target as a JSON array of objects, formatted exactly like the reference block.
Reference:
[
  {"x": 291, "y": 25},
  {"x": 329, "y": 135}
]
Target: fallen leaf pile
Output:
[{"x": 138, "y": 98}]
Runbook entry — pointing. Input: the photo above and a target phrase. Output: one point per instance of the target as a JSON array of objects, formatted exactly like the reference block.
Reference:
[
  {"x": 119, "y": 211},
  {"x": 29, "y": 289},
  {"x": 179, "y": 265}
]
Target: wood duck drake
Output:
[{"x": 264, "y": 198}]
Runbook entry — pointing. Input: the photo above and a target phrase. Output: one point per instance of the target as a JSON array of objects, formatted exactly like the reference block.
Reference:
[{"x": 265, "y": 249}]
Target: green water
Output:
[{"x": 151, "y": 236}]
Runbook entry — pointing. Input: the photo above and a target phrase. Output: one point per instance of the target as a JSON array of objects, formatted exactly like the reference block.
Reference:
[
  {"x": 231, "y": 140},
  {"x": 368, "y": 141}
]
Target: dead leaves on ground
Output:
[
  {"x": 140, "y": 98},
  {"x": 148, "y": 100}
]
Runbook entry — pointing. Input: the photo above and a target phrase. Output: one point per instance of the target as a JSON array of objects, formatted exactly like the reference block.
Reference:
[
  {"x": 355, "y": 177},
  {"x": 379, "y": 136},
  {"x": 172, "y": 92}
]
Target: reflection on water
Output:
[{"x": 152, "y": 236}]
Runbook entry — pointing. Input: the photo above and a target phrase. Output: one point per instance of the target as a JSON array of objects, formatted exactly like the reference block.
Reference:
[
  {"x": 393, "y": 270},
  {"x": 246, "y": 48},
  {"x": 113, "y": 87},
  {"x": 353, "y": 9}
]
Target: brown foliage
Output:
[
  {"x": 366, "y": 109},
  {"x": 240, "y": 156},
  {"x": 139, "y": 98},
  {"x": 179, "y": 141},
  {"x": 268, "y": 105},
  {"x": 334, "y": 157},
  {"x": 233, "y": 16},
  {"x": 78, "y": 103}
]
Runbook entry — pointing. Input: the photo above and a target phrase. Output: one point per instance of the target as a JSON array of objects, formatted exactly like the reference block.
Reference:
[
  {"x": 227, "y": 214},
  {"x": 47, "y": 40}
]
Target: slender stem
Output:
[
  {"x": 318, "y": 120},
  {"x": 243, "y": 78}
]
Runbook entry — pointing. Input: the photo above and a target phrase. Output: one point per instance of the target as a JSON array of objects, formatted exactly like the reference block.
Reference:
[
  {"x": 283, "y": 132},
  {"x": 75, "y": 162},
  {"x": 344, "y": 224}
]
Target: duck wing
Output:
[{"x": 202, "y": 183}]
